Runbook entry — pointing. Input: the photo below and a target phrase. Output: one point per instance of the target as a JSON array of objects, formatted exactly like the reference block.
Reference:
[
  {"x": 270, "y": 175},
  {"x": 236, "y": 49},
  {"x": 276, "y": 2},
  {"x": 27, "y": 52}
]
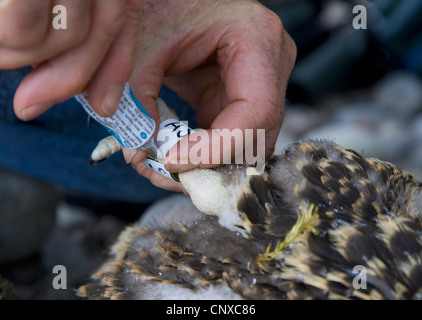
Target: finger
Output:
[
  {"x": 209, "y": 148},
  {"x": 238, "y": 142},
  {"x": 105, "y": 89},
  {"x": 159, "y": 180},
  {"x": 190, "y": 85},
  {"x": 146, "y": 82},
  {"x": 23, "y": 24},
  {"x": 134, "y": 156},
  {"x": 76, "y": 23},
  {"x": 154, "y": 54},
  {"x": 67, "y": 74},
  {"x": 255, "y": 77}
]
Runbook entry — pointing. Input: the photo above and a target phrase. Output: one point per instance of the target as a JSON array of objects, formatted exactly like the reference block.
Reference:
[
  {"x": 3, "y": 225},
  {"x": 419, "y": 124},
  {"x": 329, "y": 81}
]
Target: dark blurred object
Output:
[
  {"x": 399, "y": 29},
  {"x": 7, "y": 290},
  {"x": 27, "y": 214},
  {"x": 333, "y": 56},
  {"x": 323, "y": 69}
]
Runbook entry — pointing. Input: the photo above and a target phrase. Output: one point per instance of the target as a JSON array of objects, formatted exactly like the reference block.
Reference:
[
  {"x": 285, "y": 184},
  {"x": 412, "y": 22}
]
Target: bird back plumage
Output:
[{"x": 322, "y": 222}]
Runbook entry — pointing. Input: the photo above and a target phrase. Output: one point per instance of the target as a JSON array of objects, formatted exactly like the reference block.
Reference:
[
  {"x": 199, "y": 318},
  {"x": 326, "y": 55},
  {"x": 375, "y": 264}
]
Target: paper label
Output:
[{"x": 131, "y": 125}]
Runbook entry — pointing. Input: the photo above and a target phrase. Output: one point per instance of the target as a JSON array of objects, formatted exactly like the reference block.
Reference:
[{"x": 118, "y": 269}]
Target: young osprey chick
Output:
[{"x": 321, "y": 222}]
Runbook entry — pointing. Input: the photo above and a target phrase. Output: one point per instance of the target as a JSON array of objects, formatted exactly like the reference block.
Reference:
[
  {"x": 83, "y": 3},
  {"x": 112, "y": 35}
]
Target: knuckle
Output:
[
  {"x": 111, "y": 28},
  {"x": 114, "y": 19},
  {"x": 79, "y": 25},
  {"x": 291, "y": 50},
  {"x": 22, "y": 35},
  {"x": 281, "y": 36},
  {"x": 273, "y": 19},
  {"x": 72, "y": 37},
  {"x": 22, "y": 27},
  {"x": 134, "y": 9},
  {"x": 267, "y": 19}
]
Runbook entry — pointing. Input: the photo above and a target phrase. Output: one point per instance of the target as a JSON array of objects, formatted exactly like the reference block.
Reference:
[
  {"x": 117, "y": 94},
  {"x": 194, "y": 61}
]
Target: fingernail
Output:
[
  {"x": 111, "y": 99},
  {"x": 129, "y": 154},
  {"x": 34, "y": 110}
]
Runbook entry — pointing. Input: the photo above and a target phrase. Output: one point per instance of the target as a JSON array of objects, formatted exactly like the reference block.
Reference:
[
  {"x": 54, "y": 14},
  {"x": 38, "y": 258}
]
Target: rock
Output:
[
  {"x": 361, "y": 113},
  {"x": 78, "y": 243},
  {"x": 393, "y": 140},
  {"x": 335, "y": 14},
  {"x": 399, "y": 92},
  {"x": 63, "y": 250},
  {"x": 27, "y": 214},
  {"x": 416, "y": 128},
  {"x": 71, "y": 216},
  {"x": 301, "y": 118}
]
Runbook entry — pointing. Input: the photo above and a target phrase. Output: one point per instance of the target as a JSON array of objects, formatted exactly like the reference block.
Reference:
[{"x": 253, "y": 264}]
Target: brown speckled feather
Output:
[{"x": 368, "y": 216}]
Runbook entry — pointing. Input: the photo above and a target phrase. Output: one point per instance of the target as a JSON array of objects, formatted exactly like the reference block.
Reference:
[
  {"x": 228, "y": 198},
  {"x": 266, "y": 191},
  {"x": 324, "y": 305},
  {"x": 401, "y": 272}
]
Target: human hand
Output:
[
  {"x": 96, "y": 51},
  {"x": 230, "y": 60}
]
